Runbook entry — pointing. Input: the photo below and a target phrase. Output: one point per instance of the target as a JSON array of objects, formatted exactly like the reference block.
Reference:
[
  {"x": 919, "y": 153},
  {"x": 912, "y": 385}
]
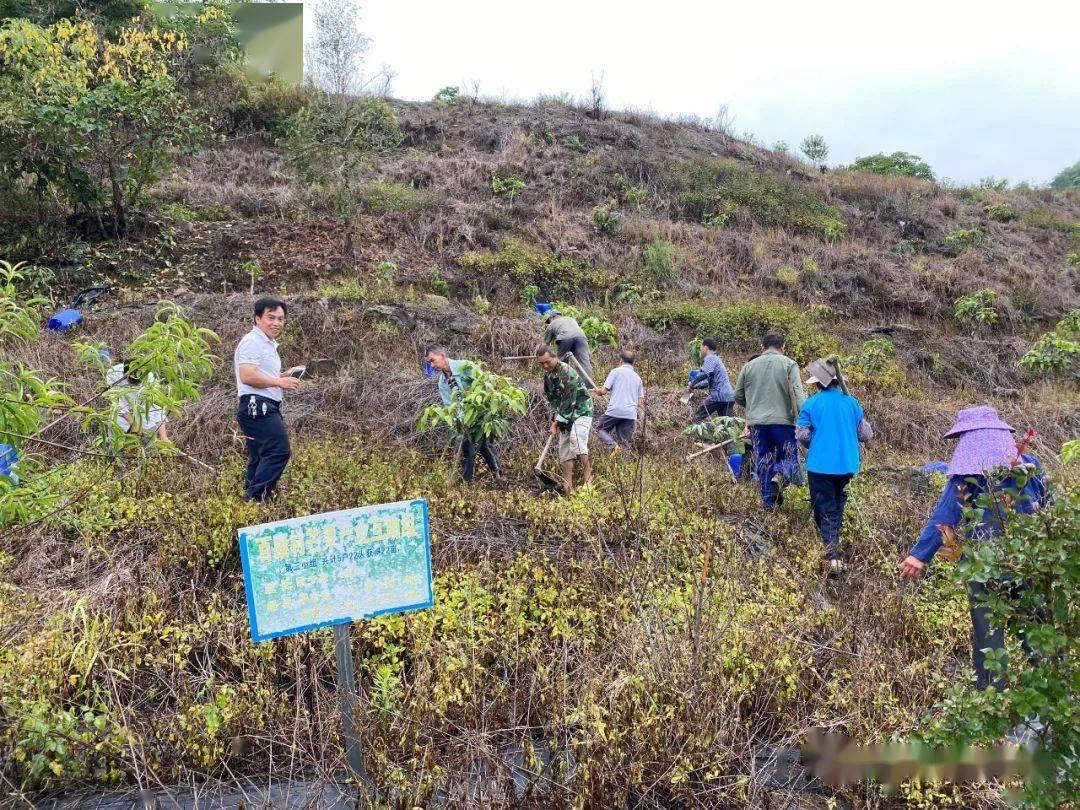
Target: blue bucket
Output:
[
  {"x": 694, "y": 374},
  {"x": 542, "y": 309},
  {"x": 9, "y": 457},
  {"x": 735, "y": 462},
  {"x": 65, "y": 320},
  {"x": 429, "y": 370}
]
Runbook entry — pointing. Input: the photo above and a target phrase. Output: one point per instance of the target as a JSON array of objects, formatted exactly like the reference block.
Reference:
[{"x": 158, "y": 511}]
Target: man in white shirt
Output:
[
  {"x": 260, "y": 387},
  {"x": 626, "y": 390},
  {"x": 132, "y": 415}
]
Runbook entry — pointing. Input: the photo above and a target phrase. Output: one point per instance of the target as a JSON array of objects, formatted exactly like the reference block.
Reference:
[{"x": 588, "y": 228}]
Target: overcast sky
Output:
[{"x": 975, "y": 88}]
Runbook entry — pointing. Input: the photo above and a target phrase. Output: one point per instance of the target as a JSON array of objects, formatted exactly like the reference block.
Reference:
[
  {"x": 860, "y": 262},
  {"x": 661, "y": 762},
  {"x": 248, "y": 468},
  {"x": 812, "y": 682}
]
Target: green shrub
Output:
[
  {"x": 634, "y": 196},
  {"x": 1000, "y": 212},
  {"x": 1040, "y": 551},
  {"x": 815, "y": 149},
  {"x": 960, "y": 239},
  {"x": 383, "y": 197},
  {"x": 596, "y": 329},
  {"x": 994, "y": 183},
  {"x": 875, "y": 367},
  {"x": 573, "y": 143},
  {"x": 267, "y": 106},
  {"x": 1048, "y": 221},
  {"x": 898, "y": 164},
  {"x": 782, "y": 147},
  {"x": 481, "y": 410},
  {"x": 977, "y": 308},
  {"x": 1069, "y": 177},
  {"x": 660, "y": 262},
  {"x": 1073, "y": 259},
  {"x": 526, "y": 265},
  {"x": 447, "y": 95},
  {"x": 607, "y": 219},
  {"x": 787, "y": 276},
  {"x": 506, "y": 183},
  {"x": 739, "y": 325},
  {"x": 712, "y": 190},
  {"x": 1056, "y": 352},
  {"x": 179, "y": 212}
]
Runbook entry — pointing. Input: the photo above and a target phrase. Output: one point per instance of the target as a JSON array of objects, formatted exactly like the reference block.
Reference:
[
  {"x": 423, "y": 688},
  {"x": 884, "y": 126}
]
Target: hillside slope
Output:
[{"x": 640, "y": 643}]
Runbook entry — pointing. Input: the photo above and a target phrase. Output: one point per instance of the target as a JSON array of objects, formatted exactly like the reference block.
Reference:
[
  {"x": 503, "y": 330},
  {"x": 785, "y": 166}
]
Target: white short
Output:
[{"x": 575, "y": 441}]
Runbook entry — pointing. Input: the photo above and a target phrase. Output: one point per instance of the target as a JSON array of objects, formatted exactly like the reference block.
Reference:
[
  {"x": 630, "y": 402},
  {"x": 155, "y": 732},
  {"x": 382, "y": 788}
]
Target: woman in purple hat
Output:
[{"x": 985, "y": 452}]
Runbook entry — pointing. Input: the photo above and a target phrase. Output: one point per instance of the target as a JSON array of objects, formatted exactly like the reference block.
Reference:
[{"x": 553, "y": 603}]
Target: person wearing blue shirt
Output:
[
  {"x": 720, "y": 401},
  {"x": 454, "y": 375},
  {"x": 986, "y": 457},
  {"x": 831, "y": 424}
]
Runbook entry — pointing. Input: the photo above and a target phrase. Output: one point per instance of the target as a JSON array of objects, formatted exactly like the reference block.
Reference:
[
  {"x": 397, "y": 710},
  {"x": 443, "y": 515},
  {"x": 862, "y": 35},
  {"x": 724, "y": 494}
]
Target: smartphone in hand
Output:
[{"x": 297, "y": 372}]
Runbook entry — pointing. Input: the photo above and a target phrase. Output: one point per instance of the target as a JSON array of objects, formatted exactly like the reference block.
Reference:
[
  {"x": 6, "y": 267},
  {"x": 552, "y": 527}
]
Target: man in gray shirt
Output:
[
  {"x": 620, "y": 418},
  {"x": 567, "y": 335},
  {"x": 260, "y": 387}
]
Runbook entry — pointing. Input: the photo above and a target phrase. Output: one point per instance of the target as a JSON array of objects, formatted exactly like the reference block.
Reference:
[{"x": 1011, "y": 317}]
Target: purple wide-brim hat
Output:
[
  {"x": 979, "y": 417},
  {"x": 986, "y": 443}
]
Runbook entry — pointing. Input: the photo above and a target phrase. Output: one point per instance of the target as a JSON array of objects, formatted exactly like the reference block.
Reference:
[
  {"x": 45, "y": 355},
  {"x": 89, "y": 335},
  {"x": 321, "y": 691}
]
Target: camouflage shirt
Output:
[{"x": 567, "y": 394}]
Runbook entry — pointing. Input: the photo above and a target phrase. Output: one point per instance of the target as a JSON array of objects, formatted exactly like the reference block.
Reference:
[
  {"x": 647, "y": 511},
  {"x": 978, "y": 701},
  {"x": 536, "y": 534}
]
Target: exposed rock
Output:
[{"x": 399, "y": 315}]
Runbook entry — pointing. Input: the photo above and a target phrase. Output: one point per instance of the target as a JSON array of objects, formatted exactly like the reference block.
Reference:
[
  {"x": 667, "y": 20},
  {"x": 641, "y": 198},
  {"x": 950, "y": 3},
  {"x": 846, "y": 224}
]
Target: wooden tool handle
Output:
[
  {"x": 543, "y": 455},
  {"x": 708, "y": 449},
  {"x": 573, "y": 358}
]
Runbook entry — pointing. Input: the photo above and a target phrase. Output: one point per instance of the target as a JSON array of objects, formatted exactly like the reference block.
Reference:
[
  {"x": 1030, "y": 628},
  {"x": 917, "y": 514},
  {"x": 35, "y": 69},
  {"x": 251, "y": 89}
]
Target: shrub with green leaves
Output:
[
  {"x": 875, "y": 367},
  {"x": 977, "y": 308},
  {"x": 719, "y": 429},
  {"x": 960, "y": 239},
  {"x": 171, "y": 358},
  {"x": 447, "y": 95},
  {"x": 89, "y": 121},
  {"x": 1058, "y": 351},
  {"x": 898, "y": 164},
  {"x": 739, "y": 325},
  {"x": 384, "y": 197},
  {"x": 1041, "y": 551},
  {"x": 715, "y": 190},
  {"x": 481, "y": 409},
  {"x": 525, "y": 265},
  {"x": 1000, "y": 212},
  {"x": 596, "y": 329},
  {"x": 506, "y": 183},
  {"x": 1050, "y": 221},
  {"x": 1069, "y": 177},
  {"x": 815, "y": 149},
  {"x": 607, "y": 219},
  {"x": 660, "y": 262},
  {"x": 634, "y": 196}
]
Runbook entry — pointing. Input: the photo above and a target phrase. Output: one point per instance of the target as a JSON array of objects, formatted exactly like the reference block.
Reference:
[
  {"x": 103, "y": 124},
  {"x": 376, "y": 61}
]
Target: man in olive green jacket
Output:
[{"x": 770, "y": 389}]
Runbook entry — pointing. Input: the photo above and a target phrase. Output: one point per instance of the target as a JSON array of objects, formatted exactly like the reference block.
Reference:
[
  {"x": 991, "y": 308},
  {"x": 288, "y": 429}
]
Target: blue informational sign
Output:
[{"x": 335, "y": 567}]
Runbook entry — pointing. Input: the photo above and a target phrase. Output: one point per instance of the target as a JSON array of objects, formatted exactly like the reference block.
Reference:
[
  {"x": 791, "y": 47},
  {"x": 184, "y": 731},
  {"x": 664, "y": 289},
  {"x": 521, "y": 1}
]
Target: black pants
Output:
[
  {"x": 622, "y": 428},
  {"x": 985, "y": 636},
  {"x": 267, "y": 445},
  {"x": 468, "y": 458},
  {"x": 828, "y": 496},
  {"x": 708, "y": 409},
  {"x": 579, "y": 347}
]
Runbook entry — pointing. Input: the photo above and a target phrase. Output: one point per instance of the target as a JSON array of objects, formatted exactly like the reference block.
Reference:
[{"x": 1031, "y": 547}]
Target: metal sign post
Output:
[{"x": 348, "y": 696}]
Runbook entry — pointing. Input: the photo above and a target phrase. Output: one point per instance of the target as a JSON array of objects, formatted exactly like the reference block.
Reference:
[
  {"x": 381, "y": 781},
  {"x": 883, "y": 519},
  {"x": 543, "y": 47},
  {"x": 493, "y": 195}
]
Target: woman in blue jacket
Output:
[
  {"x": 831, "y": 424},
  {"x": 986, "y": 457}
]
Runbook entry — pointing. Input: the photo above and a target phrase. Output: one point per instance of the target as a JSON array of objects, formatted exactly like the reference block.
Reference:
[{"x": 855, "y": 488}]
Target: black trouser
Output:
[
  {"x": 579, "y": 347},
  {"x": 468, "y": 458},
  {"x": 267, "y": 445},
  {"x": 622, "y": 428},
  {"x": 984, "y": 636},
  {"x": 708, "y": 409},
  {"x": 828, "y": 496}
]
